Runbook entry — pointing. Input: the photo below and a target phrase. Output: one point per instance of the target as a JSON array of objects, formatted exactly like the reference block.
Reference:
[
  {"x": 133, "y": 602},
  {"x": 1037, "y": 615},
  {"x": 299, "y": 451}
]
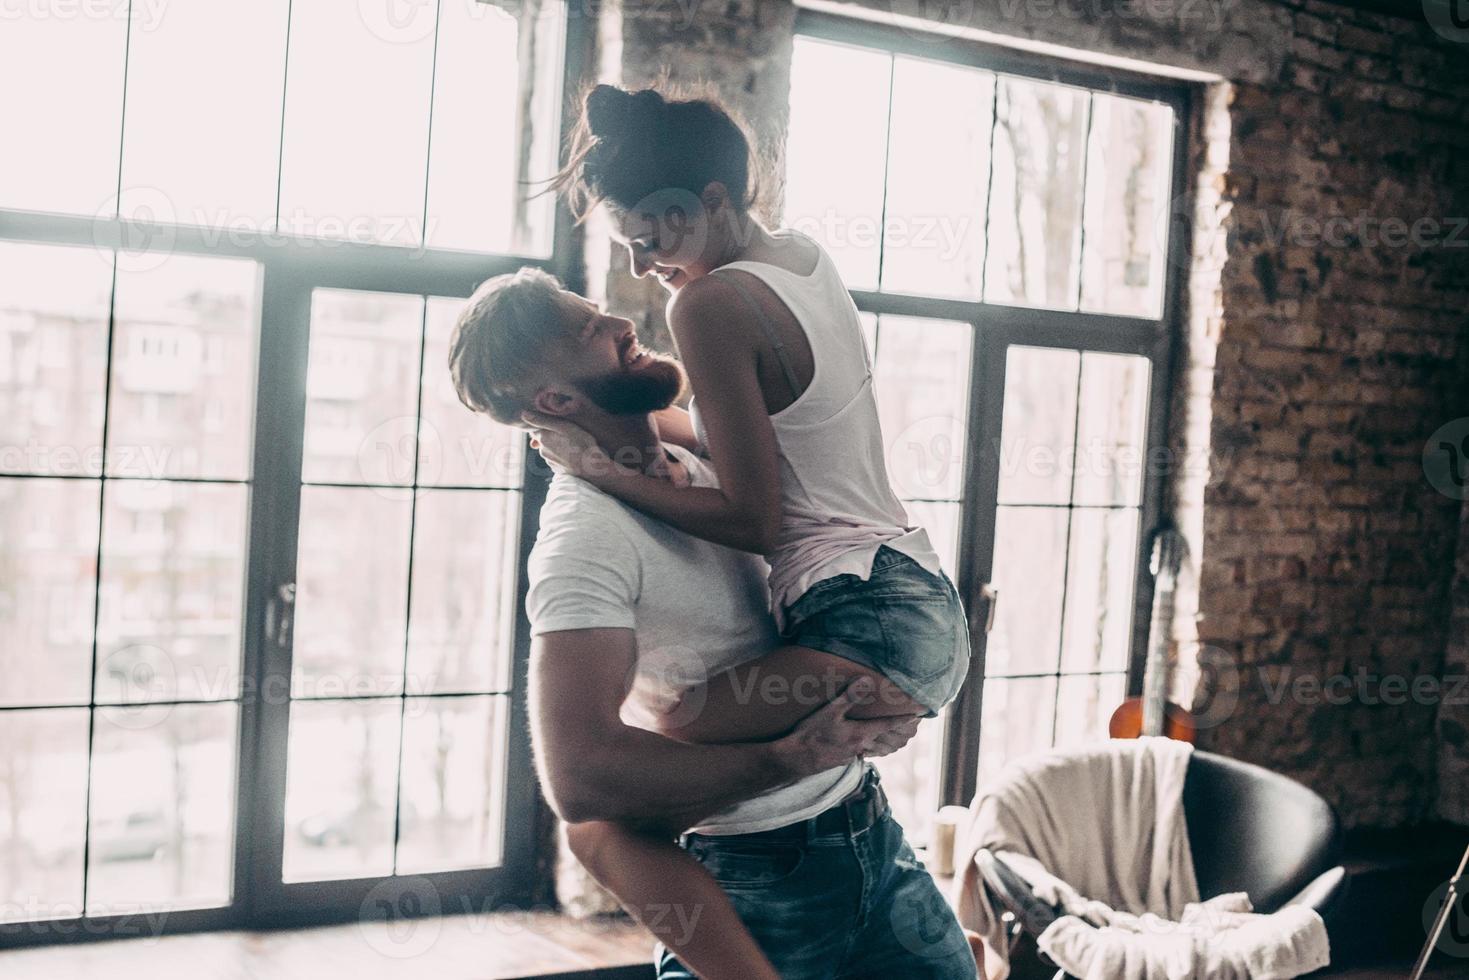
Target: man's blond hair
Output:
[{"x": 508, "y": 328}]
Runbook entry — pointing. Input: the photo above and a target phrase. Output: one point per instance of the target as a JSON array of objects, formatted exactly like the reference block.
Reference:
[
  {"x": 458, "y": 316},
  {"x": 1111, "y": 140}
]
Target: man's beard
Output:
[{"x": 650, "y": 388}]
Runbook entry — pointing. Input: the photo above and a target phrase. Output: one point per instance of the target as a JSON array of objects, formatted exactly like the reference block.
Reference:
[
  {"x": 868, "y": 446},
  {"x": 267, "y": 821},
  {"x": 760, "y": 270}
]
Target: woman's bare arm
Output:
[
  {"x": 714, "y": 332},
  {"x": 676, "y": 427}
]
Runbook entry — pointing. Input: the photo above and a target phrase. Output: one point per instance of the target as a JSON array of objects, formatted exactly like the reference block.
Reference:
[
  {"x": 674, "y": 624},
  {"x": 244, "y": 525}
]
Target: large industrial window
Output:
[
  {"x": 1002, "y": 222},
  {"x": 258, "y": 568}
]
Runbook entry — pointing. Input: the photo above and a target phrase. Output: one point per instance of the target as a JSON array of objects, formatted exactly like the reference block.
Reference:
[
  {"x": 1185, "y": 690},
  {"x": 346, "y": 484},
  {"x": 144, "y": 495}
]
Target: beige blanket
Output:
[
  {"x": 1109, "y": 819},
  {"x": 1220, "y": 939}
]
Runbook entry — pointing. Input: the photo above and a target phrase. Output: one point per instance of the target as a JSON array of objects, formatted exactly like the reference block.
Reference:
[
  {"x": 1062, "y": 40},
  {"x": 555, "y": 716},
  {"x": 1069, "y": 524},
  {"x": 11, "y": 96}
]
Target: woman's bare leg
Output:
[
  {"x": 675, "y": 899},
  {"x": 656, "y": 881}
]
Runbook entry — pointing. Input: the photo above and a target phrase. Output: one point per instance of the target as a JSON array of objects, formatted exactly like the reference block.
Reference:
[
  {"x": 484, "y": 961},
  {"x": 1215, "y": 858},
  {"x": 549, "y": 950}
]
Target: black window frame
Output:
[
  {"x": 997, "y": 327},
  {"x": 290, "y": 269}
]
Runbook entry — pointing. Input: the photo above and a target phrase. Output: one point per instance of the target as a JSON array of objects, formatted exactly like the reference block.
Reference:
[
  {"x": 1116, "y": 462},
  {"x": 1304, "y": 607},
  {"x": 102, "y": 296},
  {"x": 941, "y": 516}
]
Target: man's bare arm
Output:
[{"x": 595, "y": 767}]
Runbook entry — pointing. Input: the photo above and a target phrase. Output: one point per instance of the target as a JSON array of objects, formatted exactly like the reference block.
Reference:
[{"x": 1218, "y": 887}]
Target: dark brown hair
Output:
[{"x": 628, "y": 145}]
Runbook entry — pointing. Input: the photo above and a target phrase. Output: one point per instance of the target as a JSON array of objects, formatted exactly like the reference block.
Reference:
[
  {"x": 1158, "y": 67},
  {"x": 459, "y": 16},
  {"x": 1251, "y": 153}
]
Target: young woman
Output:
[{"x": 783, "y": 406}]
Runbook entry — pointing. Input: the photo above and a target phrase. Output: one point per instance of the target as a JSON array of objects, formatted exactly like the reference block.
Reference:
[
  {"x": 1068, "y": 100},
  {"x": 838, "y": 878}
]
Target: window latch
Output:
[
  {"x": 280, "y": 615},
  {"x": 991, "y": 605}
]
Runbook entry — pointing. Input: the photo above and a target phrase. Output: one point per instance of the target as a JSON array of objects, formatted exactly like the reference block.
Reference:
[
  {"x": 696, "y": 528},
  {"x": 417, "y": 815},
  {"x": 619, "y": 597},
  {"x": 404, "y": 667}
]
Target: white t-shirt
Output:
[{"x": 696, "y": 607}]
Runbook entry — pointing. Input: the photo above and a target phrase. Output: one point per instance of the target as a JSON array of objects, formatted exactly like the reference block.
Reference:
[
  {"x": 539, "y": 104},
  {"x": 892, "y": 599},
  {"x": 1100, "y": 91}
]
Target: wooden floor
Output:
[
  {"x": 498, "y": 946},
  {"x": 494, "y": 946}
]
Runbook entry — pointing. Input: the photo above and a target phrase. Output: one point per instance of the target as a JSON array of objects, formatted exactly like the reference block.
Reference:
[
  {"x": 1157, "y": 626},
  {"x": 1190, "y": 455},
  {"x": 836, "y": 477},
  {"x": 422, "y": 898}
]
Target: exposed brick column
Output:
[
  {"x": 740, "y": 48},
  {"x": 1207, "y": 210}
]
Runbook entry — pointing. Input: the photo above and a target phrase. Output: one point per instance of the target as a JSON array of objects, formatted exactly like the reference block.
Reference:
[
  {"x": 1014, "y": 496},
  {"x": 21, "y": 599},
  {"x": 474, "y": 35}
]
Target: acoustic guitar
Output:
[{"x": 1153, "y": 713}]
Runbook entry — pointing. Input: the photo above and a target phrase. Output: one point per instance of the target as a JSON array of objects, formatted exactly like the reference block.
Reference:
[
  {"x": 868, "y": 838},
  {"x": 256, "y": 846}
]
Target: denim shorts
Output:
[{"x": 903, "y": 622}]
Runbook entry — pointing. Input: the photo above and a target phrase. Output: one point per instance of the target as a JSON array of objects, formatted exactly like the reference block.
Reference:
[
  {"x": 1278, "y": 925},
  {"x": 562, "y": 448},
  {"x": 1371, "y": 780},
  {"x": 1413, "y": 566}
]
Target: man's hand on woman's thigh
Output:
[{"x": 829, "y": 737}]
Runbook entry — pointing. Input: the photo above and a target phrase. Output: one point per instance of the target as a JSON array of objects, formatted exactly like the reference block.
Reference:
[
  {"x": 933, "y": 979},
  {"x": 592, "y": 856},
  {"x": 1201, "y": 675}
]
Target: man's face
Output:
[{"x": 615, "y": 372}]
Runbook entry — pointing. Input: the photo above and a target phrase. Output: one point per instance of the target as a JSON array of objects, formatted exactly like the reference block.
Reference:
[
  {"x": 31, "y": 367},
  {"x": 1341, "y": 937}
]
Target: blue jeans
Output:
[{"x": 844, "y": 905}]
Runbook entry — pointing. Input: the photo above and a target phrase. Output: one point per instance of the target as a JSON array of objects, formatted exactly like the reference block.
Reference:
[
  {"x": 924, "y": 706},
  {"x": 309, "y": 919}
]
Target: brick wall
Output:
[
  {"x": 1327, "y": 553},
  {"x": 1453, "y": 719},
  {"x": 1314, "y": 372}
]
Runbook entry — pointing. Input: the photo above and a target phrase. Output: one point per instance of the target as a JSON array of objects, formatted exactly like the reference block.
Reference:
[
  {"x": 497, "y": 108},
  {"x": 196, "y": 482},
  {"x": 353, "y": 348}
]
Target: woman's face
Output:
[{"x": 671, "y": 235}]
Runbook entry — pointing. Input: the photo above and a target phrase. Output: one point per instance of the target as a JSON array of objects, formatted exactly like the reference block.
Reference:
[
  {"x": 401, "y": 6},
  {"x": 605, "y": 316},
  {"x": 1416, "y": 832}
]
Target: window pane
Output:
[
  {"x": 495, "y": 126},
  {"x": 48, "y": 560},
  {"x": 53, "y": 355},
  {"x": 1035, "y": 204},
  {"x": 183, "y": 369},
  {"x": 362, "y": 387},
  {"x": 162, "y": 807},
  {"x": 459, "y": 447},
  {"x": 1018, "y": 716},
  {"x": 341, "y": 785},
  {"x": 1030, "y": 573},
  {"x": 938, "y": 179},
  {"x": 61, "y": 149},
  {"x": 1038, "y": 436},
  {"x": 910, "y": 778},
  {"x": 1127, "y": 206},
  {"x": 836, "y": 152},
  {"x": 204, "y": 113},
  {"x": 352, "y": 593},
  {"x": 43, "y": 806},
  {"x": 922, "y": 382},
  {"x": 452, "y": 810},
  {"x": 1100, "y": 578},
  {"x": 357, "y": 121},
  {"x": 465, "y": 550},
  {"x": 173, "y": 578},
  {"x": 1086, "y": 705},
  {"x": 1112, "y": 426},
  {"x": 941, "y": 520}
]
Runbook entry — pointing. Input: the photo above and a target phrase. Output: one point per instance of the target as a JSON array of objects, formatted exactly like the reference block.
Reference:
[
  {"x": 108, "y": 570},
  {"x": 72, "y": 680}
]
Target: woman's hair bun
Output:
[
  {"x": 614, "y": 113},
  {"x": 628, "y": 145}
]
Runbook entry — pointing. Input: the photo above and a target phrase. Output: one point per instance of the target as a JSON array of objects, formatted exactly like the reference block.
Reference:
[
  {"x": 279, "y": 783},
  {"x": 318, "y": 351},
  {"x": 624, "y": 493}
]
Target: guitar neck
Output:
[{"x": 1155, "y": 668}]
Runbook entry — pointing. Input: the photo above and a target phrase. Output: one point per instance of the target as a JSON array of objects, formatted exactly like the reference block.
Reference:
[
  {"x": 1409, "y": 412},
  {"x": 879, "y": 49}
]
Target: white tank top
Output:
[{"x": 837, "y": 505}]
